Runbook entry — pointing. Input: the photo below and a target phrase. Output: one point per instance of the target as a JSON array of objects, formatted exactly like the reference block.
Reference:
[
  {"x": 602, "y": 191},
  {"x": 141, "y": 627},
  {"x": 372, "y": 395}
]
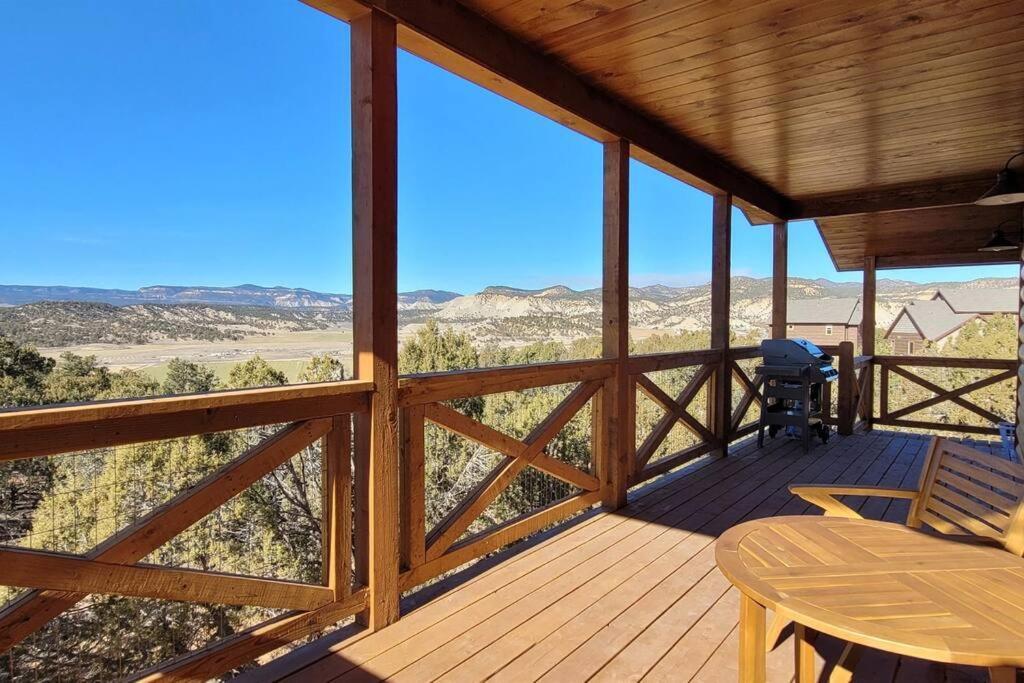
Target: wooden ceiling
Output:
[
  {"x": 926, "y": 237},
  {"x": 820, "y": 100},
  {"x": 813, "y": 97}
]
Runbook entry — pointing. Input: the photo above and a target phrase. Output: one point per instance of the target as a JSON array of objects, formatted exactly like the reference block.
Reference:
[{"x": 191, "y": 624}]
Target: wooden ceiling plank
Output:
[
  {"x": 954, "y": 79},
  {"x": 690, "y": 33},
  {"x": 812, "y": 56},
  {"x": 980, "y": 98}
]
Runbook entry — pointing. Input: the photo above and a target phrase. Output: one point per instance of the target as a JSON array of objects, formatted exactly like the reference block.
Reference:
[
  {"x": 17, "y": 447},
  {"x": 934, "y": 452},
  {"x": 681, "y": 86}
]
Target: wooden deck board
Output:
[{"x": 630, "y": 595}]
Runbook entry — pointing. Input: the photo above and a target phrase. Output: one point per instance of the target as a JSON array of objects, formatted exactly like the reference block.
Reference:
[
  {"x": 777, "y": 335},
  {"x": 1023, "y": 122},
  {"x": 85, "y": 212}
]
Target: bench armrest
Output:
[{"x": 824, "y": 497}]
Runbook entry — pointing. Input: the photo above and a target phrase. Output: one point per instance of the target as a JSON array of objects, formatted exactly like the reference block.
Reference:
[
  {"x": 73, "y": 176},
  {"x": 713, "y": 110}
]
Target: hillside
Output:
[
  {"x": 68, "y": 323},
  {"x": 504, "y": 315},
  {"x": 242, "y": 295}
]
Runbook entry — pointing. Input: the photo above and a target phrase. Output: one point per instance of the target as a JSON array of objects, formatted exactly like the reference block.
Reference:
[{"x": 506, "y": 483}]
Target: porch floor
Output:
[{"x": 628, "y": 595}]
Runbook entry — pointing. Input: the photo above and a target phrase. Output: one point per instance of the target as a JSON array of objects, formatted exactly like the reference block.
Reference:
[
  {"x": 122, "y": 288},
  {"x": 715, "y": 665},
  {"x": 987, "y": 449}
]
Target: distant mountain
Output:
[
  {"x": 65, "y": 316},
  {"x": 242, "y": 295}
]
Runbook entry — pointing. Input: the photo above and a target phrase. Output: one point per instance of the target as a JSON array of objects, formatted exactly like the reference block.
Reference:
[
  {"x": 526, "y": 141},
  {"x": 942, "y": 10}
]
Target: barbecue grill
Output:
[{"x": 793, "y": 371}]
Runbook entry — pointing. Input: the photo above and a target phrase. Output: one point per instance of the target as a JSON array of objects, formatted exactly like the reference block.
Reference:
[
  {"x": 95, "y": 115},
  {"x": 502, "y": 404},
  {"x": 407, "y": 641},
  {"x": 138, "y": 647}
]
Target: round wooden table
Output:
[{"x": 875, "y": 584}]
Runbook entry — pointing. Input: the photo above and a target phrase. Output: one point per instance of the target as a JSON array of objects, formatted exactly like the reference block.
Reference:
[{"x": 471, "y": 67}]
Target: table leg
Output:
[
  {"x": 752, "y": 634},
  {"x": 843, "y": 671},
  {"x": 1002, "y": 674},
  {"x": 803, "y": 646}
]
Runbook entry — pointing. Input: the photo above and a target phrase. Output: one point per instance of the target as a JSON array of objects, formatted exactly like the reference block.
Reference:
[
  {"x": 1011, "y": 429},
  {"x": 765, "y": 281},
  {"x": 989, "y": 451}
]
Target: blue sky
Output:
[{"x": 203, "y": 142}]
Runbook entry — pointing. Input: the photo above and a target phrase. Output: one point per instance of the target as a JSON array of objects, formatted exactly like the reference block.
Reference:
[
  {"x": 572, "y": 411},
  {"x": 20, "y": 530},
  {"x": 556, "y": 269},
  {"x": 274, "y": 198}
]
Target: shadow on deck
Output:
[{"x": 627, "y": 595}]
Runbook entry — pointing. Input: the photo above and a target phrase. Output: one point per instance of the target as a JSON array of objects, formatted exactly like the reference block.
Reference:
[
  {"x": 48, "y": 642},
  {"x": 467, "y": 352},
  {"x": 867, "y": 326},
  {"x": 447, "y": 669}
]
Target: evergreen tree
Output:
[{"x": 186, "y": 377}]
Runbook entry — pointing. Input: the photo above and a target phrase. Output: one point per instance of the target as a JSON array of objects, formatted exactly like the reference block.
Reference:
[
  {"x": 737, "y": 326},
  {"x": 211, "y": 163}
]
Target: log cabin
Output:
[{"x": 882, "y": 122}]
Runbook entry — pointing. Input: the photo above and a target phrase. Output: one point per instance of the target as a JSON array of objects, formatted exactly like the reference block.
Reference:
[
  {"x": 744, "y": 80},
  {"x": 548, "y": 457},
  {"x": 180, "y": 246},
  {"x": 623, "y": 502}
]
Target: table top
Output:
[{"x": 883, "y": 585}]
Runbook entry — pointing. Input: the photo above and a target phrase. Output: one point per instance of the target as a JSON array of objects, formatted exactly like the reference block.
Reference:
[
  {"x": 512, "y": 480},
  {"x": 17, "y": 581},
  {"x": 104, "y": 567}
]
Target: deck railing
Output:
[
  {"x": 961, "y": 378},
  {"x": 676, "y": 410},
  {"x": 315, "y": 413},
  {"x": 666, "y": 391},
  {"x": 427, "y": 553}
]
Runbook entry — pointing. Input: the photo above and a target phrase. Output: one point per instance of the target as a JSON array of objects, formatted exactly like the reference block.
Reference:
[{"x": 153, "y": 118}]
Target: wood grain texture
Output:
[
  {"x": 71, "y": 573},
  {"x": 615, "y": 449},
  {"x": 243, "y": 647},
  {"x": 32, "y": 610},
  {"x": 780, "y": 278},
  {"x": 824, "y": 573},
  {"x": 34, "y": 432},
  {"x": 375, "y": 296},
  {"x": 435, "y": 387},
  {"x": 961, "y": 491},
  {"x": 629, "y": 595}
]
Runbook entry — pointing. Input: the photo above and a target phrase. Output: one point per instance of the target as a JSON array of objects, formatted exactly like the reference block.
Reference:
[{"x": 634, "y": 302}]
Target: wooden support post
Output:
[
  {"x": 780, "y": 279},
  {"x": 867, "y": 333},
  {"x": 613, "y": 417},
  {"x": 847, "y": 385},
  {"x": 375, "y": 317},
  {"x": 1020, "y": 359},
  {"x": 720, "y": 388}
]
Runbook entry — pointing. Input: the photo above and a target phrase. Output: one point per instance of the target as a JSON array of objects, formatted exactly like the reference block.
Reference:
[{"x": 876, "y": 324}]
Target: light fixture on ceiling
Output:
[
  {"x": 999, "y": 241},
  {"x": 1009, "y": 187}
]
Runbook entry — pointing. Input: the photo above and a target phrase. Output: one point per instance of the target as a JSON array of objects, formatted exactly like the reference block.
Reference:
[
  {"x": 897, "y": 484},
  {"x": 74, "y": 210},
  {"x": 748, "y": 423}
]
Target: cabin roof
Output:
[
  {"x": 933, "y": 318},
  {"x": 836, "y": 311},
  {"x": 981, "y": 300}
]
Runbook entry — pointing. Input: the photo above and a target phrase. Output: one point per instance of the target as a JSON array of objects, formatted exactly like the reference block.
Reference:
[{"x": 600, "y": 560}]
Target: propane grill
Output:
[{"x": 793, "y": 371}]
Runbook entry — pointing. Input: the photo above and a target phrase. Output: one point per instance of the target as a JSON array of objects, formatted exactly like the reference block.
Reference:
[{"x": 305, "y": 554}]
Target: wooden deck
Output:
[{"x": 628, "y": 595}]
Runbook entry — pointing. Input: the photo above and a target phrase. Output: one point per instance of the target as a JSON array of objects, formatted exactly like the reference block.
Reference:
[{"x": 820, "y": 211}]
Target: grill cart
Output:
[{"x": 793, "y": 371}]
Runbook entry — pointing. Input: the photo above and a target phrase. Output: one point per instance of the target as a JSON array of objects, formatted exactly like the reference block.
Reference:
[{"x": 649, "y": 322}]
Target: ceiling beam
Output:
[
  {"x": 461, "y": 41},
  {"x": 936, "y": 193}
]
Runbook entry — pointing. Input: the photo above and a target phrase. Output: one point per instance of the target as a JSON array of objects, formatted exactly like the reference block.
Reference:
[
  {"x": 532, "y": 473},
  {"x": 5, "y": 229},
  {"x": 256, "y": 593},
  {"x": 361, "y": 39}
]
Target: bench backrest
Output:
[{"x": 965, "y": 491}]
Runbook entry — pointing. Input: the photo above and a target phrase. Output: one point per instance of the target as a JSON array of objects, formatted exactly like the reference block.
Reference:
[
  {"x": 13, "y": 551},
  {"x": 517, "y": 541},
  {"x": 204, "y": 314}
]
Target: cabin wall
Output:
[
  {"x": 901, "y": 342},
  {"x": 816, "y": 333}
]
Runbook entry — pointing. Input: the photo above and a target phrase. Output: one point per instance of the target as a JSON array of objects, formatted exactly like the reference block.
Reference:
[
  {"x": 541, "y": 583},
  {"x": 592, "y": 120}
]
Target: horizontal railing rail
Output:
[
  {"x": 311, "y": 414},
  {"x": 421, "y": 389},
  {"x": 50, "y": 430}
]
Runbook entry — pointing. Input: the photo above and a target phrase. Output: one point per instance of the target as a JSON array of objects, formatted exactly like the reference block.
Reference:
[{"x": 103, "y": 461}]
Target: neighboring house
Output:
[
  {"x": 984, "y": 302},
  {"x": 939, "y": 319},
  {"x": 825, "y": 322}
]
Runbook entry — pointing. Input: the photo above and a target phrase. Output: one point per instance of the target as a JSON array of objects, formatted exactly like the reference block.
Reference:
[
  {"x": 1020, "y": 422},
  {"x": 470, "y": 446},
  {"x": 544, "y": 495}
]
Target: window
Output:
[
  {"x": 828, "y": 330},
  {"x": 910, "y": 347}
]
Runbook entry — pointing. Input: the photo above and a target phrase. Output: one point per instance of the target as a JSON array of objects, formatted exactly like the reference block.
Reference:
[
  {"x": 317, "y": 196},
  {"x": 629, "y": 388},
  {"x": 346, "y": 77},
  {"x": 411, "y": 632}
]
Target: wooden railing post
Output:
[
  {"x": 867, "y": 343},
  {"x": 375, "y": 312},
  {"x": 720, "y": 389},
  {"x": 780, "y": 278},
  {"x": 336, "y": 453},
  {"x": 612, "y": 408},
  {"x": 847, "y": 387}
]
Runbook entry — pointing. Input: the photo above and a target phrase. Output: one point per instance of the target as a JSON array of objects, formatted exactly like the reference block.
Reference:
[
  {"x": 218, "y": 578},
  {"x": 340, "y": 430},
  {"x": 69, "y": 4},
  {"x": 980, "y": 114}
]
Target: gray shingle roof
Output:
[
  {"x": 934, "y": 318},
  {"x": 844, "y": 311},
  {"x": 981, "y": 300}
]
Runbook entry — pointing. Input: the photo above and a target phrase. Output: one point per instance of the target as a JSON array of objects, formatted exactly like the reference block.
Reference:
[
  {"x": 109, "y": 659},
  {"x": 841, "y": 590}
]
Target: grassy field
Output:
[{"x": 291, "y": 369}]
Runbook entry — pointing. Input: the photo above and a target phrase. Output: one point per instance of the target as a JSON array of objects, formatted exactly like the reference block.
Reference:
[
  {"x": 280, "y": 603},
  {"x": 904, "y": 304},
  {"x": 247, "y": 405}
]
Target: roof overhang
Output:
[
  {"x": 825, "y": 112},
  {"x": 944, "y": 236}
]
